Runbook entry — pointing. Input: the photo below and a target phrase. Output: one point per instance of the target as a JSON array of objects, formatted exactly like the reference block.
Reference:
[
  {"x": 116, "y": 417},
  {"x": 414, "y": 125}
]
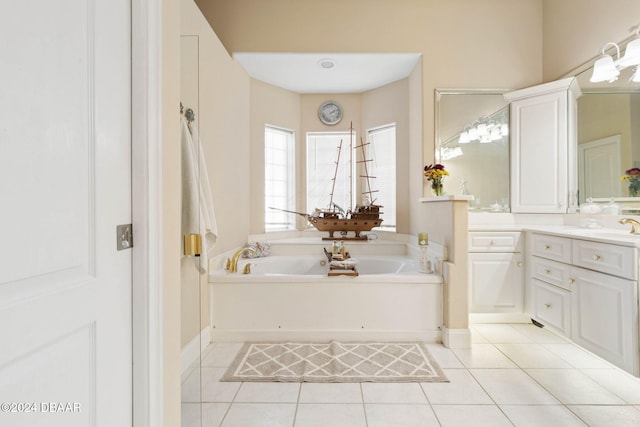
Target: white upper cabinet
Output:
[{"x": 543, "y": 141}]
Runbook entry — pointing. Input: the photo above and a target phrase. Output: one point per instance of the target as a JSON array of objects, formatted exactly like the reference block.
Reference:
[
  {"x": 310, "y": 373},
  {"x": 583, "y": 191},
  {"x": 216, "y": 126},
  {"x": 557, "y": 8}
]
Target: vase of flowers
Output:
[
  {"x": 436, "y": 173},
  {"x": 633, "y": 176}
]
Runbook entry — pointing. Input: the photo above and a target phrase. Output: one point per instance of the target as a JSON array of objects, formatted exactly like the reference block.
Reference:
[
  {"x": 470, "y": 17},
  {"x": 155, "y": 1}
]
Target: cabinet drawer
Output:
[
  {"x": 551, "y": 272},
  {"x": 612, "y": 259},
  {"x": 551, "y": 247},
  {"x": 494, "y": 241},
  {"x": 552, "y": 306}
]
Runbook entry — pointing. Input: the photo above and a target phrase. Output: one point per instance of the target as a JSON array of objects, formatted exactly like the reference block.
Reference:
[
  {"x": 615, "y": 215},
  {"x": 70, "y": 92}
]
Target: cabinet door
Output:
[
  {"x": 543, "y": 139},
  {"x": 604, "y": 317},
  {"x": 495, "y": 282},
  {"x": 539, "y": 154},
  {"x": 552, "y": 306}
]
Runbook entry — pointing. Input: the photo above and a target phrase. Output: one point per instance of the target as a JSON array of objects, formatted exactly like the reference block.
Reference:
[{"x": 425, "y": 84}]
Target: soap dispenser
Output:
[{"x": 589, "y": 214}]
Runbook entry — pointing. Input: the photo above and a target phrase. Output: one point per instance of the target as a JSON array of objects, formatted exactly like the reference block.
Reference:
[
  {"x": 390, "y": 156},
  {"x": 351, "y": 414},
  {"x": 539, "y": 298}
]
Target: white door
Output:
[
  {"x": 65, "y": 180},
  {"x": 600, "y": 168}
]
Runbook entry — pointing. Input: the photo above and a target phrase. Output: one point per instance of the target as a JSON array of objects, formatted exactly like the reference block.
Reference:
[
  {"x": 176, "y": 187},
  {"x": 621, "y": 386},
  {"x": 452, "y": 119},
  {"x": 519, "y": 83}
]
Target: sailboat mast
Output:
[
  {"x": 351, "y": 164},
  {"x": 366, "y": 176},
  {"x": 335, "y": 176}
]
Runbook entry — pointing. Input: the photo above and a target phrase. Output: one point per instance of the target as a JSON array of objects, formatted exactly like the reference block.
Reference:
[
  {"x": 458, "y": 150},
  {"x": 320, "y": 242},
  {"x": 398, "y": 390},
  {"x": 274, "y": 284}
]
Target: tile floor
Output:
[{"x": 514, "y": 375}]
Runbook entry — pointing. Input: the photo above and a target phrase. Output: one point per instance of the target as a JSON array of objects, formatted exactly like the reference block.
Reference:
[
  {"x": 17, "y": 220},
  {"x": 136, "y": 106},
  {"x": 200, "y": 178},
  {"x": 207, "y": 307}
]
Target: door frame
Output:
[
  {"x": 613, "y": 140},
  {"x": 146, "y": 169}
]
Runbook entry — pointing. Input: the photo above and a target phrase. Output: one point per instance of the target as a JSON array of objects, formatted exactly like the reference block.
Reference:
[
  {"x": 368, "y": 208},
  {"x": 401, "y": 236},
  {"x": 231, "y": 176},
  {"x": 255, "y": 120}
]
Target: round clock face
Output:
[{"x": 330, "y": 113}]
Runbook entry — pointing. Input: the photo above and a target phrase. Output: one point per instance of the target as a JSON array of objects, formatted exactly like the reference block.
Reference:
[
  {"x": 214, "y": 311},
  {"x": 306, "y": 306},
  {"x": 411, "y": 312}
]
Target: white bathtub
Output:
[
  {"x": 293, "y": 298},
  {"x": 317, "y": 265}
]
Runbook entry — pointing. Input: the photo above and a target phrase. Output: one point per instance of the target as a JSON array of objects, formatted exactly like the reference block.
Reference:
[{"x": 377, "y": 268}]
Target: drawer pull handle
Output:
[
  {"x": 572, "y": 280},
  {"x": 547, "y": 247},
  {"x": 492, "y": 242},
  {"x": 519, "y": 264},
  {"x": 596, "y": 257},
  {"x": 547, "y": 271},
  {"x": 548, "y": 306}
]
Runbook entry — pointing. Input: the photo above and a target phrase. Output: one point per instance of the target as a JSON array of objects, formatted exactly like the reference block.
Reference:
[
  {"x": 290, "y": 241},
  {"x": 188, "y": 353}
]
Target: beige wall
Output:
[
  {"x": 450, "y": 230},
  {"x": 171, "y": 244},
  {"x": 382, "y": 106},
  {"x": 271, "y": 105},
  {"x": 416, "y": 181},
  {"x": 635, "y": 129},
  {"x": 282, "y": 108},
  {"x": 224, "y": 98},
  {"x": 493, "y": 43},
  {"x": 222, "y": 105},
  {"x": 576, "y": 30}
]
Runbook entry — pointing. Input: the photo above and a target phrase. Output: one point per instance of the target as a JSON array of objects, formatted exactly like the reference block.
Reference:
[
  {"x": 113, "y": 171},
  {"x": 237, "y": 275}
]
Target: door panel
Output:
[
  {"x": 600, "y": 168},
  {"x": 65, "y": 180}
]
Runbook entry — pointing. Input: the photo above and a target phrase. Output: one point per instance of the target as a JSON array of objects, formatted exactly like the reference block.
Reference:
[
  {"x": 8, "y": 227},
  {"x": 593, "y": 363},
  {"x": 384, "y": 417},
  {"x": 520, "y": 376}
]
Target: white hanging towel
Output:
[{"x": 198, "y": 216}]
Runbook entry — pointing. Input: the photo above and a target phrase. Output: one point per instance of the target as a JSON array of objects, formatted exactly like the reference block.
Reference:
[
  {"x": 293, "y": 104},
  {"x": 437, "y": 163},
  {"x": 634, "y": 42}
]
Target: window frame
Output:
[{"x": 289, "y": 179}]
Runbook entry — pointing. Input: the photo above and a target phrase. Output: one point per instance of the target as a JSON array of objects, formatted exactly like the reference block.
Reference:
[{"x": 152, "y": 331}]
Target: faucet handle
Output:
[{"x": 227, "y": 265}]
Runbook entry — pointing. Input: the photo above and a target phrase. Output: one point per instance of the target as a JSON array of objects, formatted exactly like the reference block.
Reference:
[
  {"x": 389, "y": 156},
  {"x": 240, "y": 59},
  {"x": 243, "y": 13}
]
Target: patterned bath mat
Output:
[{"x": 334, "y": 362}]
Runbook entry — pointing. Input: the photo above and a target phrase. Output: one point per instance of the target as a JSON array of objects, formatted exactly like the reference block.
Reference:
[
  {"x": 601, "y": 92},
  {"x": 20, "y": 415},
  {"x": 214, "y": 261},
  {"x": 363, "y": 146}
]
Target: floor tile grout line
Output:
[
  {"x": 520, "y": 369},
  {"x": 230, "y": 404},
  {"x": 429, "y": 404},
  {"x": 295, "y": 412},
  {"x": 468, "y": 369},
  {"x": 364, "y": 407},
  {"x": 547, "y": 390},
  {"x": 489, "y": 396}
]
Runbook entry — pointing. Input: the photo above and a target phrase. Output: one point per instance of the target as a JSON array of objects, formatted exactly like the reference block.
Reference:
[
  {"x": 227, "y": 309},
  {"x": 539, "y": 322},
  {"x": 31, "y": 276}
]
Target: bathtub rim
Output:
[{"x": 437, "y": 253}]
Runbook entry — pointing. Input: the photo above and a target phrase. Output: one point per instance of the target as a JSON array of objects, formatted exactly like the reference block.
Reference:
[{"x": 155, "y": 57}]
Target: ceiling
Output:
[{"x": 351, "y": 72}]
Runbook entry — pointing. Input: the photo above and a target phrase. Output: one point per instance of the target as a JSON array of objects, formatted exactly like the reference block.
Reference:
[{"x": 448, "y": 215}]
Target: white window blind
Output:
[
  {"x": 382, "y": 151},
  {"x": 322, "y": 154},
  {"x": 279, "y": 178}
]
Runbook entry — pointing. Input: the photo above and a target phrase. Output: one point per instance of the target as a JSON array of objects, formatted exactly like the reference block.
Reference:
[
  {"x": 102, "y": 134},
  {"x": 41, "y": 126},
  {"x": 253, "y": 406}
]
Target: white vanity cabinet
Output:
[
  {"x": 543, "y": 139},
  {"x": 550, "y": 281},
  {"x": 588, "y": 291},
  {"x": 495, "y": 272}
]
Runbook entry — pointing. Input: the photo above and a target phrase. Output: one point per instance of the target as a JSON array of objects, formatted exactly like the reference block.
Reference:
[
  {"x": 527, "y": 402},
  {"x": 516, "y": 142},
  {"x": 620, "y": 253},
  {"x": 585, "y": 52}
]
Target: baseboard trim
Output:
[
  {"x": 192, "y": 351},
  {"x": 499, "y": 318},
  {"x": 456, "y": 338},
  {"x": 234, "y": 335}
]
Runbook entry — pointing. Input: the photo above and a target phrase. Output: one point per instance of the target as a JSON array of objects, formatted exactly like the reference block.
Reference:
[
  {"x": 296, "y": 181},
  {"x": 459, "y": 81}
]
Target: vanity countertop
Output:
[{"x": 605, "y": 235}]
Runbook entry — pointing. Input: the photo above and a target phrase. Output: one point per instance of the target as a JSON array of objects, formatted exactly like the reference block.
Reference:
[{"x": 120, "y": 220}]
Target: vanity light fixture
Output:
[
  {"x": 632, "y": 51},
  {"x": 448, "y": 153},
  {"x": 483, "y": 130},
  {"x": 605, "y": 68}
]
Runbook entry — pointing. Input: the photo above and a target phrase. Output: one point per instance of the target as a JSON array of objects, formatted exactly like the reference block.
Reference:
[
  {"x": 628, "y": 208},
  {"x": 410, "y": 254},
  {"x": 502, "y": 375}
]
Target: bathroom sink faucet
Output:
[
  {"x": 635, "y": 225},
  {"x": 233, "y": 265}
]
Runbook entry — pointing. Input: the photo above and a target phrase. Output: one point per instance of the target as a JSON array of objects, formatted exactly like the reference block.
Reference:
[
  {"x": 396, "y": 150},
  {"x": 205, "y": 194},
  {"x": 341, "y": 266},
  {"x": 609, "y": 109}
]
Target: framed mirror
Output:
[
  {"x": 472, "y": 142},
  {"x": 608, "y": 137}
]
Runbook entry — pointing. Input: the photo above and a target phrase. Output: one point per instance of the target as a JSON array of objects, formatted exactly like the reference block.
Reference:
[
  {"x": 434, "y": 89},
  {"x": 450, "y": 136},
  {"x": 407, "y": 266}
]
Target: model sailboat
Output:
[{"x": 364, "y": 217}]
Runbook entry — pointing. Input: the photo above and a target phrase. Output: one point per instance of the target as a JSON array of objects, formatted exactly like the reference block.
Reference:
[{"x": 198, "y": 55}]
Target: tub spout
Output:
[
  {"x": 233, "y": 265},
  {"x": 635, "y": 225}
]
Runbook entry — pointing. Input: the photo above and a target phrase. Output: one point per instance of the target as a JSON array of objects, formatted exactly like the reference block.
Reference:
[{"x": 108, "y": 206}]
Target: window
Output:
[
  {"x": 382, "y": 152},
  {"x": 322, "y": 154},
  {"x": 279, "y": 178}
]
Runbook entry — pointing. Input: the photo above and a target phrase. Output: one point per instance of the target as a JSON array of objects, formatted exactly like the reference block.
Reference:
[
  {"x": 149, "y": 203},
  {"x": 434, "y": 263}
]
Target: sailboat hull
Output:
[{"x": 364, "y": 218}]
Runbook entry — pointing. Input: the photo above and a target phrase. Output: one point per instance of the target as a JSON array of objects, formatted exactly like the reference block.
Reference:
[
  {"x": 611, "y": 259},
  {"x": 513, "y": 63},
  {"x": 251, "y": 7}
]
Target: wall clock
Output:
[{"x": 330, "y": 113}]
